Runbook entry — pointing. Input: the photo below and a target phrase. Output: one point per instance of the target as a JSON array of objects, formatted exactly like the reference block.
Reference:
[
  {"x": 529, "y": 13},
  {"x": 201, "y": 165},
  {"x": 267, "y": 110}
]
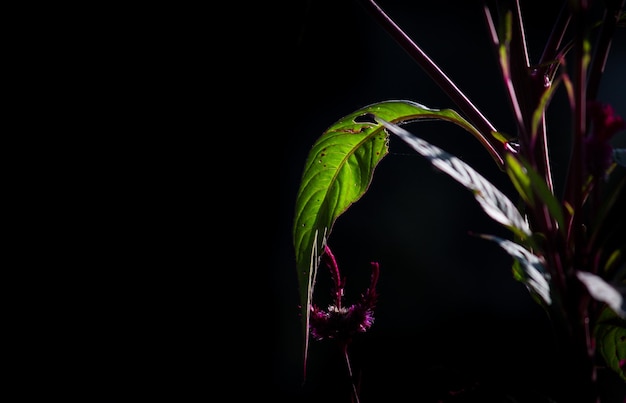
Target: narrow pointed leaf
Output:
[
  {"x": 534, "y": 276},
  {"x": 520, "y": 179},
  {"x": 531, "y": 185},
  {"x": 611, "y": 261},
  {"x": 603, "y": 291},
  {"x": 490, "y": 198},
  {"x": 540, "y": 110}
]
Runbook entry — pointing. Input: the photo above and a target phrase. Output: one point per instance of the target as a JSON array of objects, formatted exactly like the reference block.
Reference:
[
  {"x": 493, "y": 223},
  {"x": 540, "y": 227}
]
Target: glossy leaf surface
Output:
[{"x": 338, "y": 172}]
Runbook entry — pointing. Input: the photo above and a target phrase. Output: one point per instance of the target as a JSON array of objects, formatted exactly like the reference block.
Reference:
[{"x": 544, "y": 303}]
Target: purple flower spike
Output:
[{"x": 341, "y": 323}]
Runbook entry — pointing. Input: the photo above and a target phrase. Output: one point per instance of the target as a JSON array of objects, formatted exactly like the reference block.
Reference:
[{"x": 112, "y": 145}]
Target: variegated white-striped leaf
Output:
[
  {"x": 491, "y": 199},
  {"x": 603, "y": 291},
  {"x": 537, "y": 278}
]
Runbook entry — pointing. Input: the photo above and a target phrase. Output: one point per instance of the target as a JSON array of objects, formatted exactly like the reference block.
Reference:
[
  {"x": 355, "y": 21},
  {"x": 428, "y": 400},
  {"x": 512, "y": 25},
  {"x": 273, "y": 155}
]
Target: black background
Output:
[
  {"x": 152, "y": 257},
  {"x": 450, "y": 316},
  {"x": 166, "y": 270}
]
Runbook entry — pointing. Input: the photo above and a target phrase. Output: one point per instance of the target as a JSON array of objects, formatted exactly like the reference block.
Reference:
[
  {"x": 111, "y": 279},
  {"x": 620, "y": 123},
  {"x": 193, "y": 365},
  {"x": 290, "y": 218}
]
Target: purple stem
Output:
[
  {"x": 483, "y": 125},
  {"x": 331, "y": 262}
]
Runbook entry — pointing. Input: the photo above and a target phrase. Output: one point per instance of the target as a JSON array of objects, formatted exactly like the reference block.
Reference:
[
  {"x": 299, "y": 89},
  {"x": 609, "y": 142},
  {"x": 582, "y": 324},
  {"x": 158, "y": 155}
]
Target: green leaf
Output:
[
  {"x": 520, "y": 180},
  {"x": 610, "y": 333},
  {"x": 505, "y": 36},
  {"x": 612, "y": 260},
  {"x": 338, "y": 172},
  {"x": 530, "y": 184}
]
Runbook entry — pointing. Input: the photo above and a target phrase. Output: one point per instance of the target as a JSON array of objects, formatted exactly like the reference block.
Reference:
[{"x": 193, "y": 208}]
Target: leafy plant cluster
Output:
[{"x": 567, "y": 248}]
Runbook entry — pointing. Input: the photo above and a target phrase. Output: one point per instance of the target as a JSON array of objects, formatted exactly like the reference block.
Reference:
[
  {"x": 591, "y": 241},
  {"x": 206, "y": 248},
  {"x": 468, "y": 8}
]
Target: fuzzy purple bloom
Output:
[{"x": 341, "y": 323}]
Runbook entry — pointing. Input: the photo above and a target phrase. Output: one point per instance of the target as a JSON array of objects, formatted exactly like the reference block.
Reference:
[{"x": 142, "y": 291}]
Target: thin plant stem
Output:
[
  {"x": 579, "y": 127},
  {"x": 530, "y": 85},
  {"x": 505, "y": 67},
  {"x": 548, "y": 58},
  {"x": 484, "y": 126},
  {"x": 354, "y": 391},
  {"x": 506, "y": 70}
]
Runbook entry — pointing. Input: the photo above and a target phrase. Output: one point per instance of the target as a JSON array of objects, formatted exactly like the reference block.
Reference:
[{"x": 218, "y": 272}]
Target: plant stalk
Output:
[{"x": 484, "y": 126}]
